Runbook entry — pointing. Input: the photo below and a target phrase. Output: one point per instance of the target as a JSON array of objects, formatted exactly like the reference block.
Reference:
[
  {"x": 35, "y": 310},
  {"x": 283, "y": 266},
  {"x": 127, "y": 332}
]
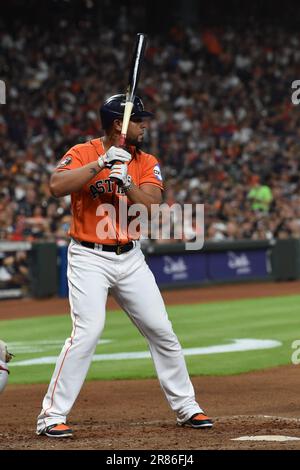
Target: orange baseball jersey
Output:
[{"x": 92, "y": 220}]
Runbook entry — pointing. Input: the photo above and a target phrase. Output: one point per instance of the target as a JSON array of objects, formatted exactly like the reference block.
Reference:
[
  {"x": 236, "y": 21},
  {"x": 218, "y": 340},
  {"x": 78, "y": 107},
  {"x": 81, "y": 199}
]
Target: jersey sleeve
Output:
[
  {"x": 71, "y": 160},
  {"x": 151, "y": 172}
]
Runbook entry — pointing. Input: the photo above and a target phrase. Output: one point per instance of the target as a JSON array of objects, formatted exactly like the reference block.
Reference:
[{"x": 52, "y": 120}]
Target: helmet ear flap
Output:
[
  {"x": 107, "y": 119},
  {"x": 111, "y": 109}
]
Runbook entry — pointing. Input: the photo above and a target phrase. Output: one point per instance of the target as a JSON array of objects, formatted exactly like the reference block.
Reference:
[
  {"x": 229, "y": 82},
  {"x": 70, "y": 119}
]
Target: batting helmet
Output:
[{"x": 113, "y": 108}]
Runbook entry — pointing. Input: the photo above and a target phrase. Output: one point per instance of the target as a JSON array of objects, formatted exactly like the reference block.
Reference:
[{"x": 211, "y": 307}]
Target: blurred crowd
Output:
[
  {"x": 225, "y": 130},
  {"x": 14, "y": 271}
]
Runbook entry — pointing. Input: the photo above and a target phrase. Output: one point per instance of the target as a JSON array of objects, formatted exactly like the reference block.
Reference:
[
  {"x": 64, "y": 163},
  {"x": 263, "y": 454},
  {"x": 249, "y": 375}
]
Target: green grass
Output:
[{"x": 195, "y": 325}]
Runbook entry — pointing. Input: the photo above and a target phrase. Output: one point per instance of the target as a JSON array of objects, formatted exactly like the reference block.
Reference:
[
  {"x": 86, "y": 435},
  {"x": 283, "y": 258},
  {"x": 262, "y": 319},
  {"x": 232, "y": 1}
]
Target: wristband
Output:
[{"x": 129, "y": 184}]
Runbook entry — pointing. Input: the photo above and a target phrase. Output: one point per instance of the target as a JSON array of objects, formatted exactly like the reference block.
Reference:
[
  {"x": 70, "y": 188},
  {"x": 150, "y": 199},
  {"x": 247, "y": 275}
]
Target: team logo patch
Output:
[
  {"x": 157, "y": 173},
  {"x": 65, "y": 161}
]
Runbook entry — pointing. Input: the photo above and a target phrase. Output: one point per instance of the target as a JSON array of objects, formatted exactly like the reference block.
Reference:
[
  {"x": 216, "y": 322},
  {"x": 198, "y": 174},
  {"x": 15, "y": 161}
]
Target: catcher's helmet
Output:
[{"x": 113, "y": 108}]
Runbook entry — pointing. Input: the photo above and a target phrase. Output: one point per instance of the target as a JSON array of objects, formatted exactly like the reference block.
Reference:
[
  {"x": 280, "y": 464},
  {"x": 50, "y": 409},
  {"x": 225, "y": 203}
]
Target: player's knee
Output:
[
  {"x": 172, "y": 343},
  {"x": 87, "y": 335},
  {"x": 164, "y": 335}
]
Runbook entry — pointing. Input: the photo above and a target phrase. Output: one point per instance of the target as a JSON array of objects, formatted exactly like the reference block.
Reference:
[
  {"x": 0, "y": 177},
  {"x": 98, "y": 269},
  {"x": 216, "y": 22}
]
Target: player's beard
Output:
[{"x": 136, "y": 143}]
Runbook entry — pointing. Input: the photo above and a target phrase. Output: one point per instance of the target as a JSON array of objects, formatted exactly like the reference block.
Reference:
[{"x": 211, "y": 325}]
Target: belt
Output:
[{"x": 118, "y": 249}]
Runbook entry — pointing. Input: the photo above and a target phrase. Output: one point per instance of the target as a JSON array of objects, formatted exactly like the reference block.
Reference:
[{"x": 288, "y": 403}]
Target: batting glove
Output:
[
  {"x": 114, "y": 154},
  {"x": 119, "y": 172},
  {"x": 5, "y": 356}
]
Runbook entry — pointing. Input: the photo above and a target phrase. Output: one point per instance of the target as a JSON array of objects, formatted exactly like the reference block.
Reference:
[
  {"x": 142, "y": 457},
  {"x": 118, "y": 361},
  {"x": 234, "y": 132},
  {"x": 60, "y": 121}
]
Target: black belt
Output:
[{"x": 118, "y": 249}]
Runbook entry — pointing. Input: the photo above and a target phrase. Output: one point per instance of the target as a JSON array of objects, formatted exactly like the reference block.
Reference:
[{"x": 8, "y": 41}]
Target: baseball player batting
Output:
[{"x": 99, "y": 173}]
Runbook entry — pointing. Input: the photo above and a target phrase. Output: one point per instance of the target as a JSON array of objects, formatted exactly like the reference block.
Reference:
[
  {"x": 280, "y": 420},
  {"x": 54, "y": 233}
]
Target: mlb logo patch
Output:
[
  {"x": 157, "y": 173},
  {"x": 64, "y": 162}
]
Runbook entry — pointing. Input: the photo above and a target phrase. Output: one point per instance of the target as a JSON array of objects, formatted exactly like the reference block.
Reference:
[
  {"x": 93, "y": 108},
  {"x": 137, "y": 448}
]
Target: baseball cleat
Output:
[
  {"x": 197, "y": 421},
  {"x": 57, "y": 430}
]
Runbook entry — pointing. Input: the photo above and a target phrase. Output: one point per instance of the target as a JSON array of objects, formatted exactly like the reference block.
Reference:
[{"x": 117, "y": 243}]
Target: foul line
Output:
[{"x": 237, "y": 345}]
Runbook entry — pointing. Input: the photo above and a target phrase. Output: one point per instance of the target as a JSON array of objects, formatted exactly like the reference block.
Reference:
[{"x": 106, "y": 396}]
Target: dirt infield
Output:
[{"x": 133, "y": 414}]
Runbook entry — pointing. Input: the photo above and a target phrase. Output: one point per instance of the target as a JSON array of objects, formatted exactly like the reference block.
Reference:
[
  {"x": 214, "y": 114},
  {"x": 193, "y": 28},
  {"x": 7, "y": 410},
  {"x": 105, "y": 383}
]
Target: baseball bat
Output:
[{"x": 134, "y": 74}]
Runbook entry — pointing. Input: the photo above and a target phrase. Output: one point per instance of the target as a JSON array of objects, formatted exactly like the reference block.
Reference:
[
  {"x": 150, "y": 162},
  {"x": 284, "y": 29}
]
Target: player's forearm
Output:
[
  {"x": 69, "y": 181},
  {"x": 138, "y": 196}
]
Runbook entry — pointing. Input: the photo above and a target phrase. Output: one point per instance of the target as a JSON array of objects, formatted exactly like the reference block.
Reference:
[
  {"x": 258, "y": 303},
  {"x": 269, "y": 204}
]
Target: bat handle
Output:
[{"x": 122, "y": 140}]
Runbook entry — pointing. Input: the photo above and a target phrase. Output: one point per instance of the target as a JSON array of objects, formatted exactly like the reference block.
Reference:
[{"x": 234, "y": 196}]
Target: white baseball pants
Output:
[
  {"x": 3, "y": 375},
  {"x": 90, "y": 274}
]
